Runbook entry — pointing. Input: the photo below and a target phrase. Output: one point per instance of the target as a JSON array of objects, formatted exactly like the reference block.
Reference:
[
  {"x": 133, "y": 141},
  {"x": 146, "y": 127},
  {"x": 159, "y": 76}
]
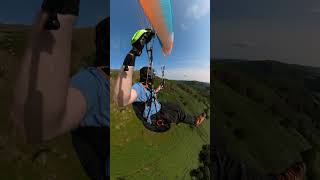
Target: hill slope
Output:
[
  {"x": 138, "y": 153},
  {"x": 267, "y": 112}
]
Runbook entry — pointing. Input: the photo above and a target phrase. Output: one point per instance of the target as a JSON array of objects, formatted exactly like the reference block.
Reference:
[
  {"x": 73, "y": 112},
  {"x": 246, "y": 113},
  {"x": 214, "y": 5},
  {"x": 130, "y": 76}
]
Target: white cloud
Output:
[
  {"x": 195, "y": 11},
  {"x": 198, "y": 9},
  {"x": 183, "y": 26},
  {"x": 195, "y": 74},
  {"x": 315, "y": 10}
]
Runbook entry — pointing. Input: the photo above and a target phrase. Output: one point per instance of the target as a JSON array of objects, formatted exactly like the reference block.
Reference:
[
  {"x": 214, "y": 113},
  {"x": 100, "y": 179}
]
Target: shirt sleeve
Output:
[
  {"x": 139, "y": 91},
  {"x": 88, "y": 85}
]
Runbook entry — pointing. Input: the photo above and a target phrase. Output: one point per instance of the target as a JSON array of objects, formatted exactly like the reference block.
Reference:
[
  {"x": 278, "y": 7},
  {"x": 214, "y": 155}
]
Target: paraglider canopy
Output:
[{"x": 159, "y": 13}]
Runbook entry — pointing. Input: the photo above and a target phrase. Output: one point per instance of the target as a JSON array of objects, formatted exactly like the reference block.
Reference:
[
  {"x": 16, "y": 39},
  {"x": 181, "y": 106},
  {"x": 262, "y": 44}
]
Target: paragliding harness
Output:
[{"x": 153, "y": 123}]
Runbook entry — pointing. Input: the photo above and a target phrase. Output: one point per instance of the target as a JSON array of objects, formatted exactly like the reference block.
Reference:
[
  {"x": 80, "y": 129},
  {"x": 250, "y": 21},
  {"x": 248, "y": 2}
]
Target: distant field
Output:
[{"x": 138, "y": 153}]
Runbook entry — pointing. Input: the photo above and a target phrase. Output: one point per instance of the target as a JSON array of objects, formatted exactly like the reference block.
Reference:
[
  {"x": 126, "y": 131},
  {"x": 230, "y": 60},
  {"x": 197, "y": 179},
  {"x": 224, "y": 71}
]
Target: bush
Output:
[
  {"x": 274, "y": 110},
  {"x": 204, "y": 155},
  {"x": 229, "y": 113},
  {"x": 228, "y": 123},
  {"x": 203, "y": 171},
  {"x": 286, "y": 122},
  {"x": 239, "y": 133},
  {"x": 249, "y": 92}
]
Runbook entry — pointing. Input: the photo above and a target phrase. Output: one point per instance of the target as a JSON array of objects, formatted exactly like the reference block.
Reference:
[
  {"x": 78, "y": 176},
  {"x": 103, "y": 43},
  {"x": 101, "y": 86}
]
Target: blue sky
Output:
[
  {"x": 286, "y": 30},
  {"x": 190, "y": 57},
  {"x": 23, "y": 12}
]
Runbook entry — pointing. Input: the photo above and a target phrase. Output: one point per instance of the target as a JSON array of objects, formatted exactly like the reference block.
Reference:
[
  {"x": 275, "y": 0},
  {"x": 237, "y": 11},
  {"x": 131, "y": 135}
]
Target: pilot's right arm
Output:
[
  {"x": 44, "y": 104},
  {"x": 123, "y": 93}
]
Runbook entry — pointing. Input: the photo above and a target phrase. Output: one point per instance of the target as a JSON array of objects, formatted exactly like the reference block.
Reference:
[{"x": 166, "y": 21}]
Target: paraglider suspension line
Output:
[
  {"x": 149, "y": 48},
  {"x": 162, "y": 76}
]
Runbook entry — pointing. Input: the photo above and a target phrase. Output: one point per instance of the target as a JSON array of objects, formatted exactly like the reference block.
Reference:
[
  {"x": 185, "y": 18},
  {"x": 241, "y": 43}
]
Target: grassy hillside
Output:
[
  {"x": 137, "y": 153},
  {"x": 55, "y": 159},
  {"x": 267, "y": 113}
]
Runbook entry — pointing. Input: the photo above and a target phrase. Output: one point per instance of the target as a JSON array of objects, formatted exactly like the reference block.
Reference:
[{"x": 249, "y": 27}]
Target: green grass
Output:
[
  {"x": 137, "y": 153},
  {"x": 266, "y": 144},
  {"x": 257, "y": 116}
]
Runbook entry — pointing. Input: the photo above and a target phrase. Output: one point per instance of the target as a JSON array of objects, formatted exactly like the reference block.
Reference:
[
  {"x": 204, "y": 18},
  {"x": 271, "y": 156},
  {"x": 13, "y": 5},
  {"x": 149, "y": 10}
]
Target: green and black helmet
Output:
[{"x": 139, "y": 34}]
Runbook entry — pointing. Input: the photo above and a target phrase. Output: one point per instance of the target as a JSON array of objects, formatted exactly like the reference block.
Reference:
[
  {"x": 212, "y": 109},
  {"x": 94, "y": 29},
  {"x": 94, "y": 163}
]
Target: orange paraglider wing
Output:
[{"x": 159, "y": 13}]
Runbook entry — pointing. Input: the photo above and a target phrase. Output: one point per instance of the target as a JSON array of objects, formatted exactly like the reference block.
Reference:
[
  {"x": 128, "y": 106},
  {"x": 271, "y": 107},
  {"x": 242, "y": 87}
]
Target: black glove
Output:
[
  {"x": 53, "y": 7},
  {"x": 138, "y": 46},
  {"x": 129, "y": 60}
]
